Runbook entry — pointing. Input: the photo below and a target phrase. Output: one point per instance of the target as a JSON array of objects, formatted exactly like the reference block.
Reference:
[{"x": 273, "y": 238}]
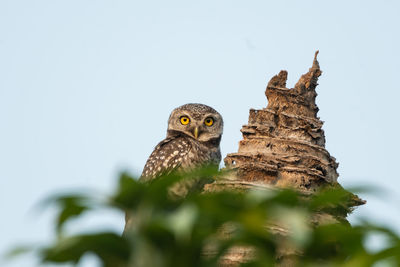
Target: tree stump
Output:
[{"x": 283, "y": 146}]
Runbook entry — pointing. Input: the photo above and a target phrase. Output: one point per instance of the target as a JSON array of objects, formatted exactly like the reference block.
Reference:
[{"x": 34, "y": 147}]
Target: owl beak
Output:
[{"x": 196, "y": 132}]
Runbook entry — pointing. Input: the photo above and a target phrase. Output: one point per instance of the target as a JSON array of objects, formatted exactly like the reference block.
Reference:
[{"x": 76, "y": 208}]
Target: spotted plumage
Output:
[
  {"x": 193, "y": 137},
  {"x": 187, "y": 145},
  {"x": 167, "y": 156}
]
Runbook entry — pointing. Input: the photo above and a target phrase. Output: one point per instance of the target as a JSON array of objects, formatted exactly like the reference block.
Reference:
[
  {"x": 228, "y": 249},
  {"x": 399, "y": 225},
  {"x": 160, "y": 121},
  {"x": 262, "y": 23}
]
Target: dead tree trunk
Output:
[{"x": 283, "y": 146}]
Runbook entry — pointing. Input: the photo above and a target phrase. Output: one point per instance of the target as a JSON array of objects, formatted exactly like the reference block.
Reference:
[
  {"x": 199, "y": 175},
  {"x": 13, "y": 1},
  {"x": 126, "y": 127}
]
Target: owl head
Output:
[{"x": 198, "y": 121}]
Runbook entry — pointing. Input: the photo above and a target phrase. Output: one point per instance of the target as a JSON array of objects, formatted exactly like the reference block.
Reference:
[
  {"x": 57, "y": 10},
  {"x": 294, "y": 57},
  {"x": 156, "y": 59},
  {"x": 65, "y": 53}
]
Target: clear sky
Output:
[{"x": 86, "y": 88}]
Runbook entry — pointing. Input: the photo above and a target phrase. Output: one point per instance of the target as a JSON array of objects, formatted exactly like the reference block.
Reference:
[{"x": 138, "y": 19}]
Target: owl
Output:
[{"x": 193, "y": 137}]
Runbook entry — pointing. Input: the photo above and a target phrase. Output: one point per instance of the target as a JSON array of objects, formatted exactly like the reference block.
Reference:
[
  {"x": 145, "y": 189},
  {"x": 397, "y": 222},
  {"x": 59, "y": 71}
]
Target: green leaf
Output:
[
  {"x": 129, "y": 192},
  {"x": 112, "y": 249},
  {"x": 18, "y": 251},
  {"x": 70, "y": 206}
]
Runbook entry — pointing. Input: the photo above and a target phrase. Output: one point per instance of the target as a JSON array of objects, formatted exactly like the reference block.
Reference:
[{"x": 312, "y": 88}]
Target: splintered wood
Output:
[{"x": 283, "y": 144}]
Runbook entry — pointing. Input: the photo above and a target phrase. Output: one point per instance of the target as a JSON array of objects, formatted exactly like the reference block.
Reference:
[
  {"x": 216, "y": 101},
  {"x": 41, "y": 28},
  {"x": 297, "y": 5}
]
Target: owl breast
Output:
[
  {"x": 179, "y": 153},
  {"x": 201, "y": 154}
]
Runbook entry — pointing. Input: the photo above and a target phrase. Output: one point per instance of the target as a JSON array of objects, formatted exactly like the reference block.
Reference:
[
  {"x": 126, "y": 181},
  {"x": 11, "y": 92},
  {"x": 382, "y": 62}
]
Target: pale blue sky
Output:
[{"x": 86, "y": 88}]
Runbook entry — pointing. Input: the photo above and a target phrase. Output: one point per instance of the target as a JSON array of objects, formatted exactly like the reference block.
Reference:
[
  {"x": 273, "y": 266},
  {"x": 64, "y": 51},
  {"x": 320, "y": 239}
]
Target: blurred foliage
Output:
[{"x": 199, "y": 229}]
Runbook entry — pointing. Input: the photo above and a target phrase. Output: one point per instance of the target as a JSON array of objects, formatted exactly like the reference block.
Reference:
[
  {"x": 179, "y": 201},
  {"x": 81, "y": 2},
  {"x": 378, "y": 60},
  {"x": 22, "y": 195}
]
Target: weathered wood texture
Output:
[{"x": 283, "y": 146}]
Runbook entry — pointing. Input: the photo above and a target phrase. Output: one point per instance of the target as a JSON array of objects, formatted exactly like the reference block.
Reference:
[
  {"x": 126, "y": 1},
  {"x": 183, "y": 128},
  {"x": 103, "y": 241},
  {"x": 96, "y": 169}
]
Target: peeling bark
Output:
[{"x": 283, "y": 146}]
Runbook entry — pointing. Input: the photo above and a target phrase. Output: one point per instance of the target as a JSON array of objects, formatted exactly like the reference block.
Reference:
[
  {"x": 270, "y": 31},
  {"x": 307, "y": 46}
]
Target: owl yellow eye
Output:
[
  {"x": 209, "y": 121},
  {"x": 185, "y": 120}
]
